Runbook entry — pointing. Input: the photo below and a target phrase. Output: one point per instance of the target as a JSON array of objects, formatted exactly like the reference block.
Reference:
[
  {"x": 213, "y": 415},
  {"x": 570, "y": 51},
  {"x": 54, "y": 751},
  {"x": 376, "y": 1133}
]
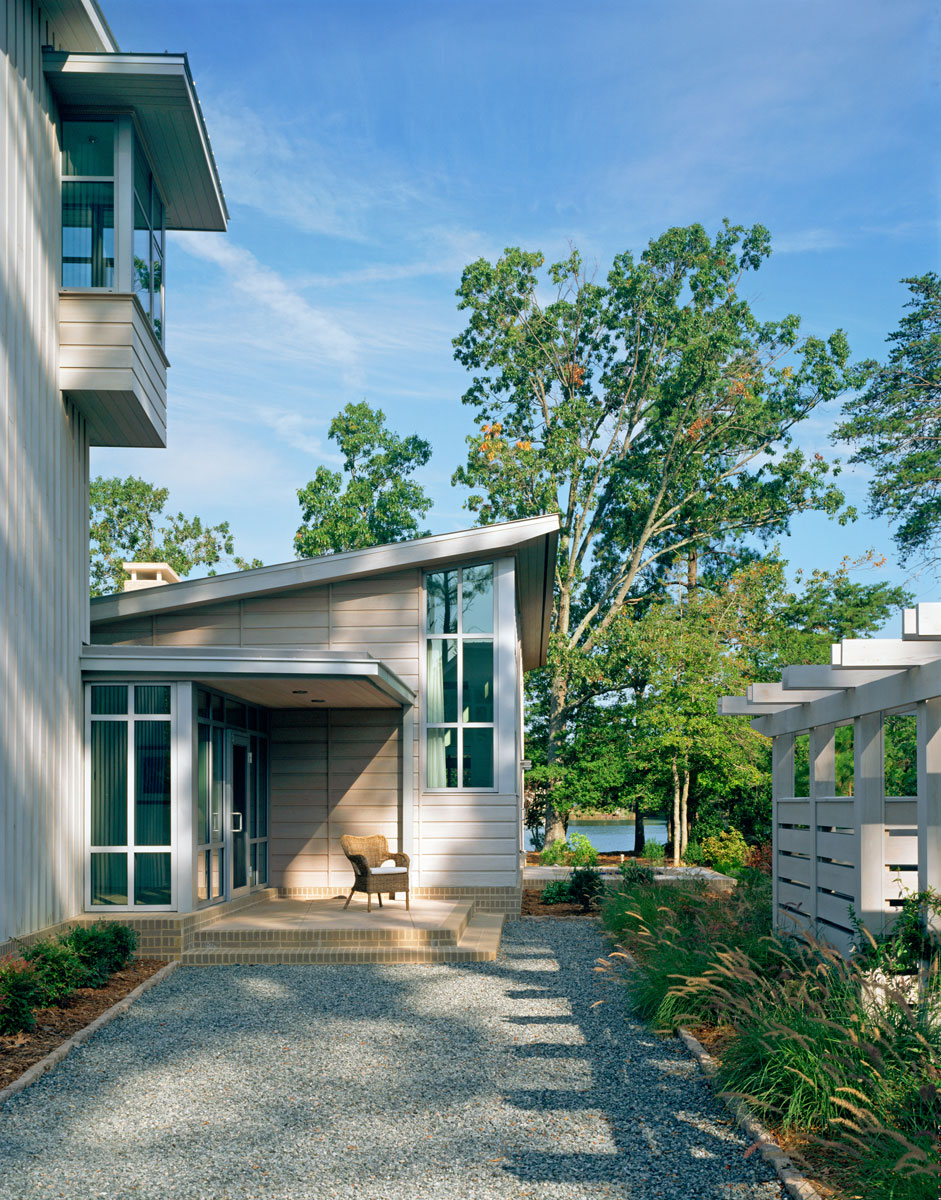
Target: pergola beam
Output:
[
  {"x": 833, "y": 679},
  {"x": 853, "y": 653}
]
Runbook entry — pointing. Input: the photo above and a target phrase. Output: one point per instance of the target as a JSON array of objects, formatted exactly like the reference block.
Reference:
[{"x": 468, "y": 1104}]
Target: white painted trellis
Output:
[{"x": 867, "y": 850}]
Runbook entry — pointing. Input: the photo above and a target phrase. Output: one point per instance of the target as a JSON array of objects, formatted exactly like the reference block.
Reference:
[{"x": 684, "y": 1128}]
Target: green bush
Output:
[
  {"x": 725, "y": 852},
  {"x": 58, "y": 968},
  {"x": 556, "y": 891},
  {"x": 19, "y": 992},
  {"x": 554, "y": 855},
  {"x": 585, "y": 886},
  {"x": 693, "y": 855},
  {"x": 581, "y": 852},
  {"x": 632, "y": 872},
  {"x": 656, "y": 852},
  {"x": 102, "y": 948}
]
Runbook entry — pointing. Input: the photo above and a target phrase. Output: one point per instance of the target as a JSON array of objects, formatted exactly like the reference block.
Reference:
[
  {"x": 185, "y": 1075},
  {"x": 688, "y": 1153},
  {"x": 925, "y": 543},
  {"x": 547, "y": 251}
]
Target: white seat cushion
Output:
[{"x": 386, "y": 870}]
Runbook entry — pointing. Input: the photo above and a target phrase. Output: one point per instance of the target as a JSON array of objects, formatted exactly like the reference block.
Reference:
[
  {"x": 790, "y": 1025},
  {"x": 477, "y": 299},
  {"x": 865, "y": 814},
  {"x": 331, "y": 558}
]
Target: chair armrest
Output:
[
  {"x": 359, "y": 864},
  {"x": 400, "y": 859}
]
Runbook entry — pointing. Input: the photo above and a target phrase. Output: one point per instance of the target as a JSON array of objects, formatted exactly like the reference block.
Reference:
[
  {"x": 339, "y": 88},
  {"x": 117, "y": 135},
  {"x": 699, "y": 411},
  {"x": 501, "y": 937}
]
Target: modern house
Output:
[{"x": 184, "y": 746}]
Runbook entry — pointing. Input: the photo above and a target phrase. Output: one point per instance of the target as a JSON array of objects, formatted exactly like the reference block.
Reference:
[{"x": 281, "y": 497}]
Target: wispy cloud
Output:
[
  {"x": 803, "y": 241},
  {"x": 301, "y": 330}
]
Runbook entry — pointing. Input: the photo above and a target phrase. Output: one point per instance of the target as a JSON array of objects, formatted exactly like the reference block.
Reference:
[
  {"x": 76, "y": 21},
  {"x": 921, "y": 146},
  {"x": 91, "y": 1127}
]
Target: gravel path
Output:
[{"x": 491, "y": 1080}]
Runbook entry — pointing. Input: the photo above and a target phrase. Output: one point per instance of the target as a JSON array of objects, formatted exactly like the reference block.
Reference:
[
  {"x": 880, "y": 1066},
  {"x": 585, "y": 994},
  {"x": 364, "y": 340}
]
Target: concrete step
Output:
[
  {"x": 479, "y": 942},
  {"x": 259, "y": 930}
]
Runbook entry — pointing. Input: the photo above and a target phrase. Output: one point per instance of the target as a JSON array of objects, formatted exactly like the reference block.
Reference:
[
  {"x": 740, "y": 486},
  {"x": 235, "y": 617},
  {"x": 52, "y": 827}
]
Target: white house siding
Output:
[
  {"x": 461, "y": 839},
  {"x": 43, "y": 510}
]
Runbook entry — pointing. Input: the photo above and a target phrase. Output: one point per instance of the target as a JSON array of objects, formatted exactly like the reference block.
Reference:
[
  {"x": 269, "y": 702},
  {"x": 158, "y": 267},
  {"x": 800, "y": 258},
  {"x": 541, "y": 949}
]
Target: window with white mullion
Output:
[
  {"x": 459, "y": 676},
  {"x": 130, "y": 802}
]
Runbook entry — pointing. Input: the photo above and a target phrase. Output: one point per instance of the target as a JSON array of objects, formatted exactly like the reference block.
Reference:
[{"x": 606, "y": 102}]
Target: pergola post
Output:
[
  {"x": 869, "y": 784},
  {"x": 782, "y": 788},
  {"x": 929, "y": 797},
  {"x": 821, "y": 754}
]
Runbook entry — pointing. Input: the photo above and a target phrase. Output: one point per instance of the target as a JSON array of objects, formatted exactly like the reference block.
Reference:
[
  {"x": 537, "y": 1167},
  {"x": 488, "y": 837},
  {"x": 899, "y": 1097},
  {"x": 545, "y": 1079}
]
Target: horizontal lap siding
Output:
[
  {"x": 469, "y": 840},
  {"x": 299, "y": 799}
]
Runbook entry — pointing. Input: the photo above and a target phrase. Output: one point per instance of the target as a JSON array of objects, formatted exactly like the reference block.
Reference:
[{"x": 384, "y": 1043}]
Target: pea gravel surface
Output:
[{"x": 443, "y": 1082}]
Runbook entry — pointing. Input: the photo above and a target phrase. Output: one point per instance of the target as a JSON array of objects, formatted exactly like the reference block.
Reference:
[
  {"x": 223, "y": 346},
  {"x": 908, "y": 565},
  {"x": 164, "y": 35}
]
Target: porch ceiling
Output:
[{"x": 276, "y": 678}]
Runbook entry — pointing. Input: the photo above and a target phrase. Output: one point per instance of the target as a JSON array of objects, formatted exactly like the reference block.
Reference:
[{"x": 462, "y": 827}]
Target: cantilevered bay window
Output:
[{"x": 459, "y": 678}]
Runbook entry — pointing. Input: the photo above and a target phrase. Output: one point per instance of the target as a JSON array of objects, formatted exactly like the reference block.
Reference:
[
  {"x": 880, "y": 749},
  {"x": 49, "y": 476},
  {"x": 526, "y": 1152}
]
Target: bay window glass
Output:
[{"x": 459, "y": 677}]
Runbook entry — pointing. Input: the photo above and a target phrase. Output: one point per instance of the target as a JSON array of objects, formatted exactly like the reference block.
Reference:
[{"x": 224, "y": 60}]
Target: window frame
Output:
[
  {"x": 128, "y": 141},
  {"x": 130, "y": 849},
  {"x": 460, "y": 637}
]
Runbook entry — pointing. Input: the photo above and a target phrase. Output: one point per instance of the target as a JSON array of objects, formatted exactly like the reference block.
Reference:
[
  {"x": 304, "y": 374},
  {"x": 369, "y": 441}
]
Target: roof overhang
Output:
[
  {"x": 80, "y": 24},
  {"x": 275, "y": 678},
  {"x": 533, "y": 542},
  {"x": 158, "y": 89}
]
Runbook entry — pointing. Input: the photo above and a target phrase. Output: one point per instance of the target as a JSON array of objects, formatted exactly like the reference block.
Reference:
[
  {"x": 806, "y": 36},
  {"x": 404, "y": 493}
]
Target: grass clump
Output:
[{"x": 813, "y": 1047}]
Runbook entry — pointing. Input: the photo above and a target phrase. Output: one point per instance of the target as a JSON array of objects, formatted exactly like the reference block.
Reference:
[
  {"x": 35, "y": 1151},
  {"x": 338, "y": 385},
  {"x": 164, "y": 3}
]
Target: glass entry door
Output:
[{"x": 239, "y": 814}]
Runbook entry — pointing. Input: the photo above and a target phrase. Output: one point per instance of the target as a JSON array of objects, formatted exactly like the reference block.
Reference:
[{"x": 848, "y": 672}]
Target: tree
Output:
[
  {"x": 896, "y": 425},
  {"x": 653, "y": 412},
  {"x": 379, "y": 503},
  {"x": 124, "y": 520}
]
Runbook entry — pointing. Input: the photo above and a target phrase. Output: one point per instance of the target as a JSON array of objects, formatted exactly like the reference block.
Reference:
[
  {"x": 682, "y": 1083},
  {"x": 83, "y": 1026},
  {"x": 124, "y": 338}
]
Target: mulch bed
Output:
[
  {"x": 605, "y": 858},
  {"x": 533, "y": 907},
  {"x": 18, "y": 1051}
]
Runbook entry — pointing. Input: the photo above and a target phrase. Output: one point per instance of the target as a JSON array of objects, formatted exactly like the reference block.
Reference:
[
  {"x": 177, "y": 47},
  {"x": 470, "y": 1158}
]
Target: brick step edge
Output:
[
  {"x": 292, "y": 956},
  {"x": 31, "y": 1074}
]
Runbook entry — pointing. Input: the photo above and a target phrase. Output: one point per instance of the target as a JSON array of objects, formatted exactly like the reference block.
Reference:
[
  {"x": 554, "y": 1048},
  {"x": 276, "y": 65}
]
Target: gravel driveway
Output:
[{"x": 440, "y": 1082}]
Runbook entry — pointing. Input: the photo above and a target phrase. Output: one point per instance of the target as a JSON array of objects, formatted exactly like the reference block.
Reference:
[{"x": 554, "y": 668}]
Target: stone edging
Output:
[
  {"x": 82, "y": 1035},
  {"x": 796, "y": 1184}
]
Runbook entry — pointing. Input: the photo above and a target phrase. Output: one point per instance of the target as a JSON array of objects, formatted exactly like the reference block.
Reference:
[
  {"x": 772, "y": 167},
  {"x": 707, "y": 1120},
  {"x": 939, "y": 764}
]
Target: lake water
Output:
[{"x": 613, "y": 837}]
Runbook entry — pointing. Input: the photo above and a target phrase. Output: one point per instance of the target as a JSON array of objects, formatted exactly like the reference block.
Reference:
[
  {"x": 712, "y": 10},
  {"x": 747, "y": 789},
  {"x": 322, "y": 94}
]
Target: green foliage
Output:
[
  {"x": 908, "y": 942},
  {"x": 379, "y": 502},
  {"x": 125, "y": 516},
  {"x": 102, "y": 948},
  {"x": 654, "y": 851},
  {"x": 808, "y": 1050},
  {"x": 633, "y": 873},
  {"x": 59, "y": 970},
  {"x": 581, "y": 852},
  {"x": 556, "y": 891},
  {"x": 555, "y": 854},
  {"x": 694, "y": 856},
  {"x": 726, "y": 852},
  {"x": 577, "y": 851},
  {"x": 19, "y": 992},
  {"x": 900, "y": 738},
  {"x": 896, "y": 424},
  {"x": 586, "y": 886}
]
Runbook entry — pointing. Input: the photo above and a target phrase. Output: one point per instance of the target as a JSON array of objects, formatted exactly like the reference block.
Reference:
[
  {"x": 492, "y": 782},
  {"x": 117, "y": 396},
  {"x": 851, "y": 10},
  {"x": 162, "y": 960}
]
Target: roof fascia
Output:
[{"x": 374, "y": 560}]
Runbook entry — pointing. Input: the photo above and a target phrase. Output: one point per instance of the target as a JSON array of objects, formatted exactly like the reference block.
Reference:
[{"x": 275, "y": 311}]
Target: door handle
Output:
[{"x": 239, "y": 816}]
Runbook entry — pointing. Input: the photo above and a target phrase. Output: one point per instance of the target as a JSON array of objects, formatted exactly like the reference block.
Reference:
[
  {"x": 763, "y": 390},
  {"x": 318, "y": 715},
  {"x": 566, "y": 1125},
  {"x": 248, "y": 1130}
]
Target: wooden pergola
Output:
[{"x": 865, "y": 851}]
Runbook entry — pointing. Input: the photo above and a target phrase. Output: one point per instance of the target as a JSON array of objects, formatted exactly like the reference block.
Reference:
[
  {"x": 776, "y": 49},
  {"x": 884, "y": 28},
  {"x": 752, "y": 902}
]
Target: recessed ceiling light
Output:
[
  {"x": 299, "y": 692},
  {"x": 318, "y": 702}
]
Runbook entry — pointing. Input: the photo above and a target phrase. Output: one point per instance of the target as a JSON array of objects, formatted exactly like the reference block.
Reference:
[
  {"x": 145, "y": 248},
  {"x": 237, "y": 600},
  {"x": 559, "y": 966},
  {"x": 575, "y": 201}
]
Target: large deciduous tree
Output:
[
  {"x": 896, "y": 425},
  {"x": 652, "y": 411},
  {"x": 379, "y": 502},
  {"x": 129, "y": 524}
]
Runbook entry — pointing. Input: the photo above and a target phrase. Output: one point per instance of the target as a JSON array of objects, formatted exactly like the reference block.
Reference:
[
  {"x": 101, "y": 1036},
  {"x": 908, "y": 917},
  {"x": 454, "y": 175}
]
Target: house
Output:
[
  {"x": 101, "y": 153},
  {"x": 185, "y": 745},
  {"x": 238, "y": 726}
]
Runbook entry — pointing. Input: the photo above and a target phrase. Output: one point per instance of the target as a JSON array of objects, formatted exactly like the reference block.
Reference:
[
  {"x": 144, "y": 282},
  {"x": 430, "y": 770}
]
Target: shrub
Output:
[
  {"x": 103, "y": 948},
  {"x": 556, "y": 891},
  {"x": 554, "y": 855},
  {"x": 59, "y": 970},
  {"x": 585, "y": 886},
  {"x": 632, "y": 873},
  {"x": 693, "y": 855},
  {"x": 760, "y": 858},
  {"x": 581, "y": 853},
  {"x": 656, "y": 852},
  {"x": 725, "y": 852},
  {"x": 19, "y": 992}
]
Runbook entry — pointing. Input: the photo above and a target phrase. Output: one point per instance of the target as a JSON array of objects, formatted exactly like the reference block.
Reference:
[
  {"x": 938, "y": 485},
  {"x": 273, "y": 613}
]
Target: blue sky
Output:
[{"x": 369, "y": 150}]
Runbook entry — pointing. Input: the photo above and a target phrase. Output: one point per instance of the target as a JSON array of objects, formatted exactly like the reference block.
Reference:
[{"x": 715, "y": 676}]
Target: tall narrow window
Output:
[
  {"x": 130, "y": 826},
  {"x": 459, "y": 674},
  {"x": 88, "y": 204}
]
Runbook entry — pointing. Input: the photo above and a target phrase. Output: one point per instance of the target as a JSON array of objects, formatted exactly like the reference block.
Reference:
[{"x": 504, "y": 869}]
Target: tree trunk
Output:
[
  {"x": 638, "y": 829},
  {"x": 692, "y": 569},
  {"x": 555, "y": 825},
  {"x": 676, "y": 813},
  {"x": 684, "y": 815}
]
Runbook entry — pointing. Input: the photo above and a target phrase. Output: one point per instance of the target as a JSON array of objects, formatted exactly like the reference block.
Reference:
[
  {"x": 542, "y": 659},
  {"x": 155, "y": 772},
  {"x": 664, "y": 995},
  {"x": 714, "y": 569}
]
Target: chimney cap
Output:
[{"x": 148, "y": 574}]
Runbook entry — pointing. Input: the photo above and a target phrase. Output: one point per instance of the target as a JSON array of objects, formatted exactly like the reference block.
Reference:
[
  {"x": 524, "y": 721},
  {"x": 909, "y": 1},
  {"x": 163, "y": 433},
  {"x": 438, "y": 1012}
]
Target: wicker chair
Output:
[{"x": 367, "y": 854}]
